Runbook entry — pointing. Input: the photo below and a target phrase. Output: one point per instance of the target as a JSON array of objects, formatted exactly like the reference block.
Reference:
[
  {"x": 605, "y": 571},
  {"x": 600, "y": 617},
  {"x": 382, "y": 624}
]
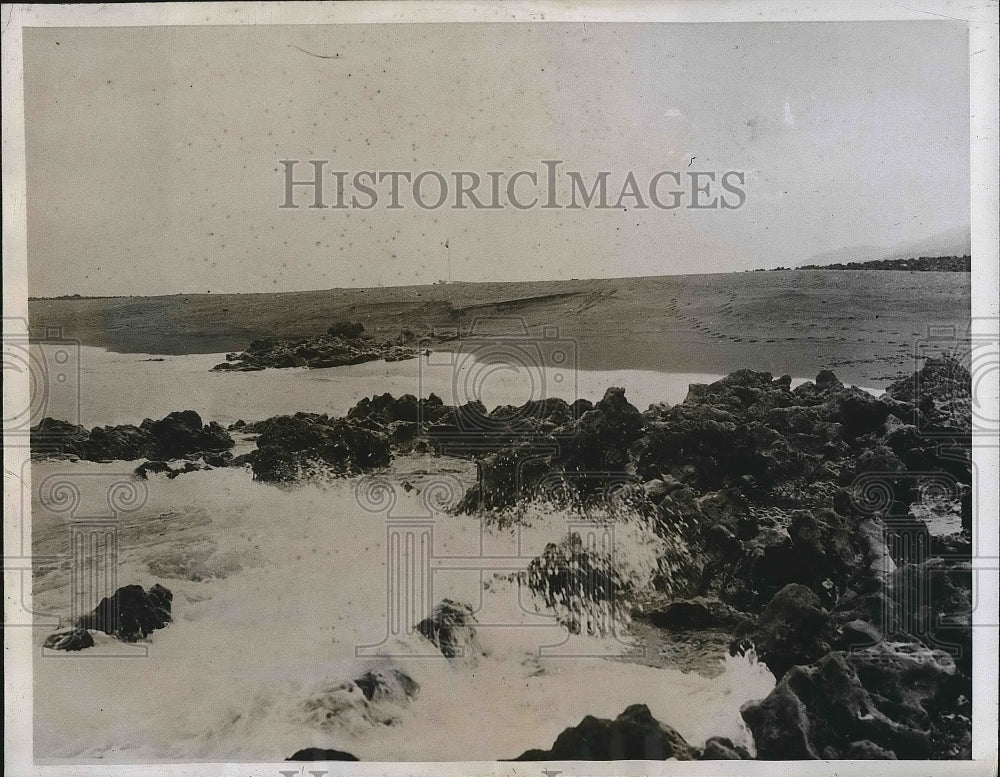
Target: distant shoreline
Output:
[
  {"x": 923, "y": 264},
  {"x": 914, "y": 264},
  {"x": 864, "y": 325}
]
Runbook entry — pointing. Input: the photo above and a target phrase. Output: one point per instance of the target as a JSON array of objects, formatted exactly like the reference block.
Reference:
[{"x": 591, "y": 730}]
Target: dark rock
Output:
[
  {"x": 320, "y": 754},
  {"x": 865, "y": 750},
  {"x": 553, "y": 410},
  {"x": 511, "y": 476},
  {"x": 218, "y": 459},
  {"x": 451, "y": 627},
  {"x": 599, "y": 440},
  {"x": 858, "y": 633},
  {"x": 682, "y": 615},
  {"x": 375, "y": 698},
  {"x": 124, "y": 443},
  {"x": 386, "y": 409},
  {"x": 827, "y": 381},
  {"x": 932, "y": 600},
  {"x": 633, "y": 735},
  {"x": 817, "y": 553},
  {"x": 387, "y": 685},
  {"x": 879, "y": 695},
  {"x": 147, "y": 468},
  {"x": 821, "y": 544},
  {"x": 182, "y": 432},
  {"x": 857, "y": 411},
  {"x": 697, "y": 613},
  {"x": 348, "y": 329},
  {"x": 343, "y": 344},
  {"x": 178, "y": 435},
  {"x": 794, "y": 629},
  {"x": 723, "y": 749},
  {"x": 942, "y": 392},
  {"x": 655, "y": 490},
  {"x": 721, "y": 540},
  {"x": 72, "y": 639},
  {"x": 290, "y": 447},
  {"x": 52, "y": 436},
  {"x": 581, "y": 584},
  {"x": 131, "y": 613}
]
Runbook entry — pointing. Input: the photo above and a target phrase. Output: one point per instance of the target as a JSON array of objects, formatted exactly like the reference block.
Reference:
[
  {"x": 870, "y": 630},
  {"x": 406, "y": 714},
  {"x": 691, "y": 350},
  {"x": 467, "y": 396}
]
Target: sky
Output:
[{"x": 153, "y": 153}]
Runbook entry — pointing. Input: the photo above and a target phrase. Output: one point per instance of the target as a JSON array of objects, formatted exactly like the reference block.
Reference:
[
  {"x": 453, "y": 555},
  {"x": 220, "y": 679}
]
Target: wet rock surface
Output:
[
  {"x": 293, "y": 447},
  {"x": 374, "y": 699},
  {"x": 793, "y": 629},
  {"x": 877, "y": 700},
  {"x": 452, "y": 628},
  {"x": 801, "y": 509},
  {"x": 633, "y": 735},
  {"x": 70, "y": 639},
  {"x": 321, "y": 754},
  {"x": 131, "y": 613},
  {"x": 789, "y": 517},
  {"x": 344, "y": 343},
  {"x": 177, "y": 435}
]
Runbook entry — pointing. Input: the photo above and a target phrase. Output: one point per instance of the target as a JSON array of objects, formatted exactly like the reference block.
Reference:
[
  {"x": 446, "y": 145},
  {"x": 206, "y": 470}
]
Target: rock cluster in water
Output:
[
  {"x": 633, "y": 735},
  {"x": 451, "y": 627},
  {"x": 374, "y": 699},
  {"x": 130, "y": 614},
  {"x": 321, "y": 754},
  {"x": 798, "y": 509},
  {"x": 789, "y": 516},
  {"x": 344, "y": 343},
  {"x": 294, "y": 447},
  {"x": 180, "y": 434}
]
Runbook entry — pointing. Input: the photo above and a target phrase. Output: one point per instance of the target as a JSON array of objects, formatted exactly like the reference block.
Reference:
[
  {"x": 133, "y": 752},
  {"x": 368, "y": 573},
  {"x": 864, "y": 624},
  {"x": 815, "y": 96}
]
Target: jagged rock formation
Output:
[
  {"x": 344, "y": 343},
  {"x": 177, "y": 435},
  {"x": 451, "y": 626},
  {"x": 633, "y": 735}
]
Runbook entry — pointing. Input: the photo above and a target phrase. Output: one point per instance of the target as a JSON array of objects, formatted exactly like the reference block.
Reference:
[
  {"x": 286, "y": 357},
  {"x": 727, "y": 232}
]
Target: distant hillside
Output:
[
  {"x": 952, "y": 243},
  {"x": 914, "y": 264}
]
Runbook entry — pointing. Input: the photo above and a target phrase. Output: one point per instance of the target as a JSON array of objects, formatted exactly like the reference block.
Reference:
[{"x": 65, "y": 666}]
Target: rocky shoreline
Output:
[
  {"x": 788, "y": 518},
  {"x": 343, "y": 344}
]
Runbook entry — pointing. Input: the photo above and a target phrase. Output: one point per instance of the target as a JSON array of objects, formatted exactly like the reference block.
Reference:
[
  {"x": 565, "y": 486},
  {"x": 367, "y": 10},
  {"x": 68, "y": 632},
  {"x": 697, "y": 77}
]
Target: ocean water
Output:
[
  {"x": 281, "y": 594},
  {"x": 102, "y": 387},
  {"x": 275, "y": 590}
]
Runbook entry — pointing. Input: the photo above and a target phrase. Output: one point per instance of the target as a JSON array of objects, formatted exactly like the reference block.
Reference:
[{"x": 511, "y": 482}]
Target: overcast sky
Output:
[{"x": 152, "y": 153}]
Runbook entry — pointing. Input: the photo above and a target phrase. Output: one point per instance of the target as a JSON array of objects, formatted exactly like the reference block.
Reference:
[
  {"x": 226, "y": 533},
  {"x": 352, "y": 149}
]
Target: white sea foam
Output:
[{"x": 274, "y": 590}]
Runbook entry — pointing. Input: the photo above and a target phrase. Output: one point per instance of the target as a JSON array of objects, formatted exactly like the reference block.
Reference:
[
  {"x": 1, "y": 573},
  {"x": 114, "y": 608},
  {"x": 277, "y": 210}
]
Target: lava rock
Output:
[
  {"x": 290, "y": 447},
  {"x": 696, "y": 613},
  {"x": 794, "y": 629},
  {"x": 451, "y": 627},
  {"x": 387, "y": 685},
  {"x": 633, "y": 735},
  {"x": 879, "y": 695},
  {"x": 182, "y": 432},
  {"x": 72, "y": 639},
  {"x": 723, "y": 749},
  {"x": 321, "y": 754},
  {"x": 52, "y": 436},
  {"x": 131, "y": 613},
  {"x": 124, "y": 443}
]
